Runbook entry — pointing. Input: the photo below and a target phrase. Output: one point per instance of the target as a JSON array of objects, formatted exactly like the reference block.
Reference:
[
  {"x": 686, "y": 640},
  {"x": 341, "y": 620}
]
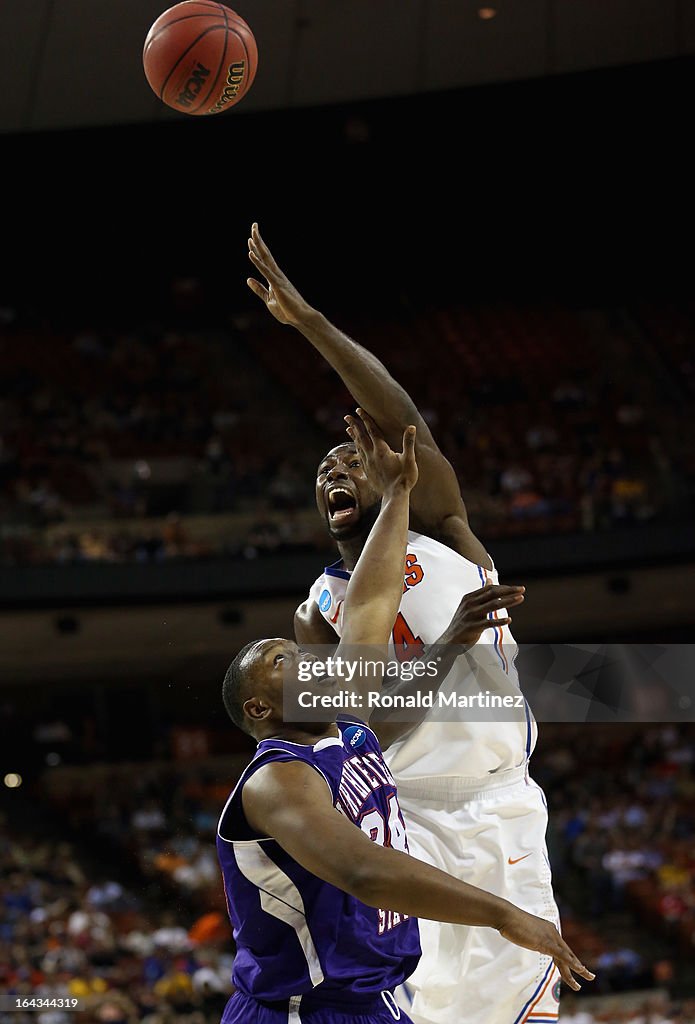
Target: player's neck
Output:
[
  {"x": 307, "y": 734},
  {"x": 350, "y": 551}
]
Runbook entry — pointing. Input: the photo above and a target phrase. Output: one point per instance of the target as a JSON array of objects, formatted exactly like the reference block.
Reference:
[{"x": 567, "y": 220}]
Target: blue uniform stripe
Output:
[
  {"x": 336, "y": 570},
  {"x": 528, "y": 729},
  {"x": 538, "y": 988},
  {"x": 498, "y": 634},
  {"x": 340, "y": 573},
  {"x": 490, "y": 615}
]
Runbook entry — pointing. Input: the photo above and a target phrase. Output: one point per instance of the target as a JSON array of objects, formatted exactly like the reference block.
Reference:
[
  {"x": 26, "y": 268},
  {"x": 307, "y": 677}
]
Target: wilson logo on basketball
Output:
[
  {"x": 235, "y": 76},
  {"x": 193, "y": 85}
]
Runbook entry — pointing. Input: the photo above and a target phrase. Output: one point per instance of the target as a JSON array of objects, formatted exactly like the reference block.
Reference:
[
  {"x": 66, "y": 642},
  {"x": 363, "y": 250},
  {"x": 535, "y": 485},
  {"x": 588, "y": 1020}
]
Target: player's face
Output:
[
  {"x": 274, "y": 666},
  {"x": 345, "y": 498}
]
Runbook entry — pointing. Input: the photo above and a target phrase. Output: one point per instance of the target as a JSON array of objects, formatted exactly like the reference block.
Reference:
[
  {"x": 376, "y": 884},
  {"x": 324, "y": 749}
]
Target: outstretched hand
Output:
[
  {"x": 532, "y": 932},
  {"x": 385, "y": 469},
  {"x": 280, "y": 296},
  {"x": 473, "y": 613}
]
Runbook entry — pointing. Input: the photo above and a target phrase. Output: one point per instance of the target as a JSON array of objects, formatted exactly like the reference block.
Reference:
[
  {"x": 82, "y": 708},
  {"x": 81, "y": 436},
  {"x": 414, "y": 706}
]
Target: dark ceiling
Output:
[{"x": 73, "y": 63}]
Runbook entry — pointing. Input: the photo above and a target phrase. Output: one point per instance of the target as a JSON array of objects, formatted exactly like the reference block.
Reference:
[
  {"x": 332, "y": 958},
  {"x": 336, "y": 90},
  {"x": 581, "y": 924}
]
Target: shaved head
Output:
[
  {"x": 349, "y": 445},
  {"x": 236, "y": 688}
]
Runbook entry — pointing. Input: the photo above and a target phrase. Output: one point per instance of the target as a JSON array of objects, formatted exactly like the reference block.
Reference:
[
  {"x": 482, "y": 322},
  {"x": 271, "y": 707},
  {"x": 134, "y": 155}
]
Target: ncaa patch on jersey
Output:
[
  {"x": 325, "y": 600},
  {"x": 355, "y": 736}
]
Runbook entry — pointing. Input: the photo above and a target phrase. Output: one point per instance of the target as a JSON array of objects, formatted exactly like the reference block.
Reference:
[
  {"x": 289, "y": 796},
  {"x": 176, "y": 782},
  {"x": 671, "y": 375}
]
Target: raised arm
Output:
[
  {"x": 375, "y": 589},
  {"x": 436, "y": 502},
  {"x": 374, "y": 592},
  {"x": 291, "y": 802}
]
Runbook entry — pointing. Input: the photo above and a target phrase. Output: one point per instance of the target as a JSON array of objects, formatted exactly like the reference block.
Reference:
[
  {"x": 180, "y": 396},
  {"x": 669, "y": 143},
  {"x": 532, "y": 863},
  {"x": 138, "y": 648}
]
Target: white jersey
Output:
[{"x": 435, "y": 580}]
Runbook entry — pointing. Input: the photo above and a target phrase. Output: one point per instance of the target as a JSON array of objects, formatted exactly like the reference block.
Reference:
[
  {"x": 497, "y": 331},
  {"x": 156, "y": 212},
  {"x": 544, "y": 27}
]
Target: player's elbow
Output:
[{"x": 299, "y": 627}]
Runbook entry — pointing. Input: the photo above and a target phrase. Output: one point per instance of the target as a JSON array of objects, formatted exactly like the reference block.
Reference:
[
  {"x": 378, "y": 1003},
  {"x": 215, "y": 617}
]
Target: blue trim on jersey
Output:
[
  {"x": 340, "y": 573},
  {"x": 334, "y": 570},
  {"x": 491, "y": 615},
  {"x": 539, "y": 987},
  {"x": 496, "y": 644},
  {"x": 407, "y": 991}
]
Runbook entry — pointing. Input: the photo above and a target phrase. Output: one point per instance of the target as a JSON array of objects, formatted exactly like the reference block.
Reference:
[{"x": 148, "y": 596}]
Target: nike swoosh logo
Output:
[{"x": 517, "y": 859}]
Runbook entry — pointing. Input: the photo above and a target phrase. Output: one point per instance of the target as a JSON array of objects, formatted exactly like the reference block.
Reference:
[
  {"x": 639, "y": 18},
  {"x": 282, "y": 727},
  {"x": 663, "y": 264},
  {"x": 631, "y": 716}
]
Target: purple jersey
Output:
[{"x": 294, "y": 933}]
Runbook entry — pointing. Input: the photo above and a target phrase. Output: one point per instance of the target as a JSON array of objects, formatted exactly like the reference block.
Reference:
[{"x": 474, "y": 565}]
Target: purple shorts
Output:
[{"x": 243, "y": 1009}]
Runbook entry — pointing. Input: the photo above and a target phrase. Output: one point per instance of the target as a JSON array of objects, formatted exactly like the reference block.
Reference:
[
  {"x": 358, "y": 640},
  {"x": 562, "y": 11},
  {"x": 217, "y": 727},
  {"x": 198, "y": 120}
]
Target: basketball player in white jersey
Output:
[{"x": 470, "y": 804}]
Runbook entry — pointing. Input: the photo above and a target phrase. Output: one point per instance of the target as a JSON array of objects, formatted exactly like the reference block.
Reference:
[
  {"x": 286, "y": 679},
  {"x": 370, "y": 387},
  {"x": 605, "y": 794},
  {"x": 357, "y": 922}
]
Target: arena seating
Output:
[
  {"x": 71, "y": 930},
  {"x": 546, "y": 413},
  {"x": 629, "y": 839}
]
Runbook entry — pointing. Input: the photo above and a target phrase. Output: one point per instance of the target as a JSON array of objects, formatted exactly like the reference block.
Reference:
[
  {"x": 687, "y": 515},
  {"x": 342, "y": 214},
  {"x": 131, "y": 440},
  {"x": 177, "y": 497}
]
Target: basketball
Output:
[{"x": 200, "y": 57}]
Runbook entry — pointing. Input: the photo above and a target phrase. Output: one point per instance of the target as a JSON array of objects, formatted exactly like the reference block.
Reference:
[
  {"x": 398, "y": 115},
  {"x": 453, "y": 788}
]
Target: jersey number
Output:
[
  {"x": 373, "y": 826},
  {"x": 406, "y": 644}
]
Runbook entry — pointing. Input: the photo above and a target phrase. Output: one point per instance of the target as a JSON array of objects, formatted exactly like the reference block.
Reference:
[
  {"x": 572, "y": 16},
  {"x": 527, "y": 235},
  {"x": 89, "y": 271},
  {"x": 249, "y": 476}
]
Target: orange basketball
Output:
[{"x": 200, "y": 57}]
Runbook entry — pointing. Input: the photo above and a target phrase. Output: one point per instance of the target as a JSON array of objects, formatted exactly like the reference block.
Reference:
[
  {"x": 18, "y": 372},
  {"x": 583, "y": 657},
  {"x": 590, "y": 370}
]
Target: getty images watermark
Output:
[
  {"x": 353, "y": 672},
  {"x": 491, "y": 682}
]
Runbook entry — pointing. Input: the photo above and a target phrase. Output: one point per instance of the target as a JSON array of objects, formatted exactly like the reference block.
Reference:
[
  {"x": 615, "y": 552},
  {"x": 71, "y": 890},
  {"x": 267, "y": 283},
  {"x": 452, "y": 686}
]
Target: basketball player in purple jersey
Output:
[
  {"x": 470, "y": 804},
  {"x": 321, "y": 892}
]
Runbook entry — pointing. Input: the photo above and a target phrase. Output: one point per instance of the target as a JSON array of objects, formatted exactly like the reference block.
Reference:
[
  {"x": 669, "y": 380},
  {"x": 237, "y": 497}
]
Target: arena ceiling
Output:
[{"x": 77, "y": 63}]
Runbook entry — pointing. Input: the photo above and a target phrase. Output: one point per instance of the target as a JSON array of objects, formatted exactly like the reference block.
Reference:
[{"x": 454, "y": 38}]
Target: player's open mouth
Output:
[{"x": 341, "y": 505}]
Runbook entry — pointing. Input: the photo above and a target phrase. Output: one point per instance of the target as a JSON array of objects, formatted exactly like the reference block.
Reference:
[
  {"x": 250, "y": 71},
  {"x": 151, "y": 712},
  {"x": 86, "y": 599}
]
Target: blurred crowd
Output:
[
  {"x": 112, "y": 438},
  {"x": 640, "y": 1010},
  {"x": 69, "y": 931},
  {"x": 622, "y": 843},
  {"x": 162, "y": 818},
  {"x": 622, "y": 836},
  {"x": 120, "y": 436}
]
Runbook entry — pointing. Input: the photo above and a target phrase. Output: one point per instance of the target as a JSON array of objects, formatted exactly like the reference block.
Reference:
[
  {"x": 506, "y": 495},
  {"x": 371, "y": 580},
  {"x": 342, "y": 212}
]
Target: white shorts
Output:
[{"x": 494, "y": 839}]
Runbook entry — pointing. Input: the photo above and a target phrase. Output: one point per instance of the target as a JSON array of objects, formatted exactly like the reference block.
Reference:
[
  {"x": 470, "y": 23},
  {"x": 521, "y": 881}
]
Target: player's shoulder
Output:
[
  {"x": 282, "y": 759},
  {"x": 310, "y": 627},
  {"x": 355, "y": 732},
  {"x": 317, "y": 586},
  {"x": 307, "y": 608},
  {"x": 333, "y": 578},
  {"x": 275, "y": 773}
]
